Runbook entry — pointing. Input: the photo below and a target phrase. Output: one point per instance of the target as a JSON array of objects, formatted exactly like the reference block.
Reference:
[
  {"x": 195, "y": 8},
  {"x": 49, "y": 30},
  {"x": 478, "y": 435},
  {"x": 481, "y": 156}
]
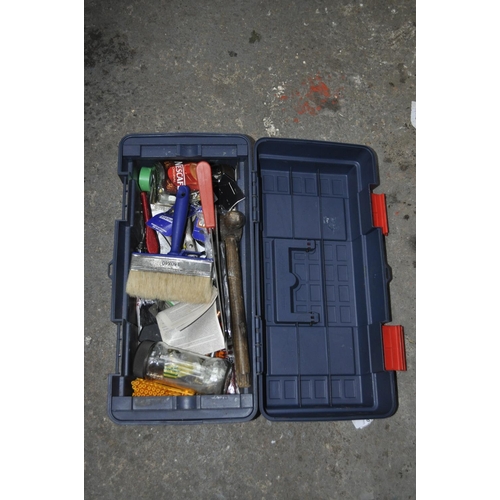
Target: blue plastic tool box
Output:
[{"x": 315, "y": 281}]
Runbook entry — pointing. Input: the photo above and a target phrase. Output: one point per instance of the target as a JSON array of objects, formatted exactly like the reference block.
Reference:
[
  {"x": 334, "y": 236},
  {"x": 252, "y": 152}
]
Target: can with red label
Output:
[{"x": 183, "y": 174}]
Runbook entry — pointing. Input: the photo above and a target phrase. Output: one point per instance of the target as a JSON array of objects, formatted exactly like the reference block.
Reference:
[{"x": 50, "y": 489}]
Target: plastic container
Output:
[
  {"x": 180, "y": 368},
  {"x": 315, "y": 283}
]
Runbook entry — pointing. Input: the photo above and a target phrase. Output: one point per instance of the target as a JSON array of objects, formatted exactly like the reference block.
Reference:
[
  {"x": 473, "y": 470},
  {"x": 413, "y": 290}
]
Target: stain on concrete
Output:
[
  {"x": 412, "y": 241},
  {"x": 403, "y": 73},
  {"x": 232, "y": 53},
  {"x": 101, "y": 49},
  {"x": 255, "y": 37},
  {"x": 403, "y": 34},
  {"x": 392, "y": 198},
  {"x": 314, "y": 96}
]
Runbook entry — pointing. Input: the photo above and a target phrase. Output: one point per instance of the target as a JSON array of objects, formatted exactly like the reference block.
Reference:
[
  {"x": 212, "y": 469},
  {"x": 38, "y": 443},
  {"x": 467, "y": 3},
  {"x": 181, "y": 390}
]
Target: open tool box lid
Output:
[{"x": 315, "y": 282}]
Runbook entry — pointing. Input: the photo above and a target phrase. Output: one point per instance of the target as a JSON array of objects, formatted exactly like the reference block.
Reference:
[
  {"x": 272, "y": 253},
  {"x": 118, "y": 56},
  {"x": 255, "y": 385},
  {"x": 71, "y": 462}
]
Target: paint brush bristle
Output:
[{"x": 169, "y": 287}]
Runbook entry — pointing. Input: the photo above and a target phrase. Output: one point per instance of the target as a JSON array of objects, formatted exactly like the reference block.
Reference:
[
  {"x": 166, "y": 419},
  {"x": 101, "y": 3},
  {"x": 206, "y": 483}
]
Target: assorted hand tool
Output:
[
  {"x": 203, "y": 230},
  {"x": 231, "y": 230}
]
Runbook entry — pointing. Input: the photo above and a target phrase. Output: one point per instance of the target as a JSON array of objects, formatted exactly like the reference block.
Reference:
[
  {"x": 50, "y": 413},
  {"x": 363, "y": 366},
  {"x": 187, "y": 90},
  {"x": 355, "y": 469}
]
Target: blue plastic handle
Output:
[{"x": 181, "y": 208}]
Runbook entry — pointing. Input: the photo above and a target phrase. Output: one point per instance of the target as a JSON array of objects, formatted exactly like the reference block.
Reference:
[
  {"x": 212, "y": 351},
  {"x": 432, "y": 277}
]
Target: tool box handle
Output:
[{"x": 287, "y": 282}]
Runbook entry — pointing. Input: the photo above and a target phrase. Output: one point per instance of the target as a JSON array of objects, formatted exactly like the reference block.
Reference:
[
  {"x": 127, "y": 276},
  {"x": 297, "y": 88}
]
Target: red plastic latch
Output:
[
  {"x": 394, "y": 347},
  {"x": 380, "y": 212}
]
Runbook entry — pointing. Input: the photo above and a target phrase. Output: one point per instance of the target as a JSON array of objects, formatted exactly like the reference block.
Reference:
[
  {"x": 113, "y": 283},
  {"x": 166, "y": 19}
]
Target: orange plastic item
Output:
[
  {"x": 204, "y": 175},
  {"x": 142, "y": 387},
  {"x": 379, "y": 210},
  {"x": 221, "y": 354},
  {"x": 394, "y": 347}
]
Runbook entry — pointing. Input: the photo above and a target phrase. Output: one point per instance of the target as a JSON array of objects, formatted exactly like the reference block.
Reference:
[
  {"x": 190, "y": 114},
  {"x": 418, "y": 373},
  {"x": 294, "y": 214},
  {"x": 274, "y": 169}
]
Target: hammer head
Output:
[{"x": 231, "y": 224}]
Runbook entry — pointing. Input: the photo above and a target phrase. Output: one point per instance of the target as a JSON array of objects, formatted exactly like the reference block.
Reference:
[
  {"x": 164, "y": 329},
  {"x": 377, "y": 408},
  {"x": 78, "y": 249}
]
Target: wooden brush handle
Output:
[{"x": 238, "y": 321}]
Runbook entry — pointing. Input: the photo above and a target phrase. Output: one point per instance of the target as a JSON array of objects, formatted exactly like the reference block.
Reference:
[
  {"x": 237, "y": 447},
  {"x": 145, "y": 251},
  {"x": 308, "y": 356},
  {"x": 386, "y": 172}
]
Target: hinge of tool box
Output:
[
  {"x": 255, "y": 197},
  {"x": 258, "y": 345}
]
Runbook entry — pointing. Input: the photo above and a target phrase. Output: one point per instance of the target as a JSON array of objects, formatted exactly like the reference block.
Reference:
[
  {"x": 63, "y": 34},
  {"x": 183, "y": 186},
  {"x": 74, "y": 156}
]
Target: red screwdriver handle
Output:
[
  {"x": 152, "y": 242},
  {"x": 204, "y": 174}
]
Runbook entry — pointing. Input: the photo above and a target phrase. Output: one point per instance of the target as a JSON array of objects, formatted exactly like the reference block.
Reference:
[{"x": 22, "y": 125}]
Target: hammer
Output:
[{"x": 231, "y": 229}]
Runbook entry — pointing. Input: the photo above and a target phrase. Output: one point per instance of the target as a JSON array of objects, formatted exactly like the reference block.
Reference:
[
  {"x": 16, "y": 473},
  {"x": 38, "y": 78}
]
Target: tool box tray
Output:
[{"x": 315, "y": 282}]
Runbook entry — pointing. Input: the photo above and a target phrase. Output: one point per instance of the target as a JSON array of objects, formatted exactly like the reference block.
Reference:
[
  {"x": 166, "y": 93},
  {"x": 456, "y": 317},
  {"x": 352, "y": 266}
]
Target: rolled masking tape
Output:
[
  {"x": 145, "y": 178},
  {"x": 148, "y": 182}
]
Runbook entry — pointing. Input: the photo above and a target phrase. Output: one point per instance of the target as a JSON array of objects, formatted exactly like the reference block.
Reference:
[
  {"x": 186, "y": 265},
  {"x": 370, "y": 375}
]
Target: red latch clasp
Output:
[
  {"x": 393, "y": 341},
  {"x": 379, "y": 211}
]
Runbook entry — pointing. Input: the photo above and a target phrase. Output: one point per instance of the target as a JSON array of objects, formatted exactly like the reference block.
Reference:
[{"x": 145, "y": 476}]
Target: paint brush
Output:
[{"x": 175, "y": 276}]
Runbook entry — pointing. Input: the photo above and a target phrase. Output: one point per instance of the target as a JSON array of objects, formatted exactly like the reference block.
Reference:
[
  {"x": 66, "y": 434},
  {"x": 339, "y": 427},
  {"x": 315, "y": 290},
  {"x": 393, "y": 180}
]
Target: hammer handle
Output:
[{"x": 238, "y": 321}]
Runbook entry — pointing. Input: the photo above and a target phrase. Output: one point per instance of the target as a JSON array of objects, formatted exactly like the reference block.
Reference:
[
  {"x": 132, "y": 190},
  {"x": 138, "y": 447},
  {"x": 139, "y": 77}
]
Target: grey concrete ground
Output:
[{"x": 248, "y": 67}]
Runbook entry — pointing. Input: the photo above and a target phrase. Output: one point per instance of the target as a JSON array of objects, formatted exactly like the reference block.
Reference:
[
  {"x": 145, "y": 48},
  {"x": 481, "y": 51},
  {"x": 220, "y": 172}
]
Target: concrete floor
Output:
[{"x": 224, "y": 66}]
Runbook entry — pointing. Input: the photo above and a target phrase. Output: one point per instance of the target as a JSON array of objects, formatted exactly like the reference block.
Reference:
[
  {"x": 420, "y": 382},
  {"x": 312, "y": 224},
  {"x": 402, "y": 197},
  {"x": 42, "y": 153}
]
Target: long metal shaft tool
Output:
[{"x": 231, "y": 230}]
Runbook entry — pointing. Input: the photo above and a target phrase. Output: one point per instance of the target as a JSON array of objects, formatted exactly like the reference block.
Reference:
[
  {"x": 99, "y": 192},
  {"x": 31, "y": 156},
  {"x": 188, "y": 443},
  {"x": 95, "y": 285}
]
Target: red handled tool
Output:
[
  {"x": 152, "y": 242},
  {"x": 204, "y": 174}
]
